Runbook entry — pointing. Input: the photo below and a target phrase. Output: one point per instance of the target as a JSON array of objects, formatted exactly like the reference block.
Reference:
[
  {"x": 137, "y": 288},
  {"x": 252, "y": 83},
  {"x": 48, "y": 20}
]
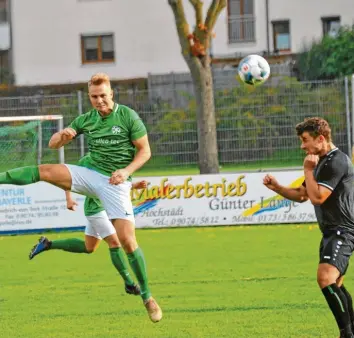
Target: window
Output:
[
  {"x": 331, "y": 25},
  {"x": 3, "y": 11},
  {"x": 97, "y": 48},
  {"x": 5, "y": 74},
  {"x": 281, "y": 36},
  {"x": 241, "y": 21}
]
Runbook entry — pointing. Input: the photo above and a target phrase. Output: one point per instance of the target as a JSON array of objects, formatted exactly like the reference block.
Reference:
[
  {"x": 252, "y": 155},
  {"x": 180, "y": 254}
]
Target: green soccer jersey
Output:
[
  {"x": 92, "y": 206},
  {"x": 110, "y": 137}
]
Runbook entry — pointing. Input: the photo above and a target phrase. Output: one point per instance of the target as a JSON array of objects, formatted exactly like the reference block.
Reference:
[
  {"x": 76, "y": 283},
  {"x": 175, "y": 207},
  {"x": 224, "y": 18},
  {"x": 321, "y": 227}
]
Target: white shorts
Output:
[
  {"x": 99, "y": 226},
  {"x": 115, "y": 198}
]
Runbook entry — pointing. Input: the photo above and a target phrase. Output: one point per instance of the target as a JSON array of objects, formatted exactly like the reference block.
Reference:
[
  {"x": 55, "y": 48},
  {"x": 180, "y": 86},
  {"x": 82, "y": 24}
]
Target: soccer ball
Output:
[{"x": 253, "y": 70}]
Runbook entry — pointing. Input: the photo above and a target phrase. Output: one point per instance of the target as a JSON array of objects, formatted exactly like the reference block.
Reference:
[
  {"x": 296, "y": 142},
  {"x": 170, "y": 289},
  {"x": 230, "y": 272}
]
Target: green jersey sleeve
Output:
[
  {"x": 78, "y": 123},
  {"x": 137, "y": 127}
]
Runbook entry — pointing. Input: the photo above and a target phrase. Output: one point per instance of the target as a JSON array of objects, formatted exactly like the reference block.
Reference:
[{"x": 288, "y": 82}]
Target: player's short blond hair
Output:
[{"x": 99, "y": 78}]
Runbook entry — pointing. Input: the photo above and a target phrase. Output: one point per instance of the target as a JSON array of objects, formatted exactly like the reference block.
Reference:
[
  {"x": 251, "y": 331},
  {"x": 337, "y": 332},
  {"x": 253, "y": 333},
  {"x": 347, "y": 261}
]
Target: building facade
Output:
[{"x": 55, "y": 42}]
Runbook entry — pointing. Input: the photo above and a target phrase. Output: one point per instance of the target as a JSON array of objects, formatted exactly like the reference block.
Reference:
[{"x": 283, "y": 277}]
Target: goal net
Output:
[{"x": 24, "y": 140}]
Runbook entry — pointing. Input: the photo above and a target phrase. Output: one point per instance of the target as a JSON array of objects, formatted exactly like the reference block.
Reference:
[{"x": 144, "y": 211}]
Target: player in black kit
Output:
[{"x": 329, "y": 185}]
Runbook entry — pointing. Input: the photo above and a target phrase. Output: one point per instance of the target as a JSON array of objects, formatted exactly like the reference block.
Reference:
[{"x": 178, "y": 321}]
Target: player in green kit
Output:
[
  {"x": 99, "y": 227},
  {"x": 118, "y": 146}
]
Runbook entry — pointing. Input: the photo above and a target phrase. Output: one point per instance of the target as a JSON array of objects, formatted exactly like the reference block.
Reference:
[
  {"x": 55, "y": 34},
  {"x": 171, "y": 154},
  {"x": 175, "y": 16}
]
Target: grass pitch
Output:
[{"x": 252, "y": 281}]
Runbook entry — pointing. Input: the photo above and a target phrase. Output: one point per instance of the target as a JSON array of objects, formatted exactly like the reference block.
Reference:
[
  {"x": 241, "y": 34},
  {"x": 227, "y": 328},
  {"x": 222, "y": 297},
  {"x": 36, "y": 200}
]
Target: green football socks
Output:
[
  {"x": 137, "y": 263},
  {"x": 20, "y": 176},
  {"x": 70, "y": 245},
  {"x": 118, "y": 260}
]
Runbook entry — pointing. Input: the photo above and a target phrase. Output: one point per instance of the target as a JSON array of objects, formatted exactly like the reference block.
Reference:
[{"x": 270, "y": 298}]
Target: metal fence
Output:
[
  {"x": 255, "y": 127},
  {"x": 173, "y": 86}
]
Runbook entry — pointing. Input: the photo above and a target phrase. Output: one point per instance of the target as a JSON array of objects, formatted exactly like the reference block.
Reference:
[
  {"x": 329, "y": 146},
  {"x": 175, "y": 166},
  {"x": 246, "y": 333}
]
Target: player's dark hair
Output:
[{"x": 315, "y": 126}]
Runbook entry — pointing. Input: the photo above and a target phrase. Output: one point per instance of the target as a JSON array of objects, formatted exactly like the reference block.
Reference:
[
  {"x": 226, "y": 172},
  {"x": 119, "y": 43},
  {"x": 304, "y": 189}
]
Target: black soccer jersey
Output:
[{"x": 335, "y": 172}]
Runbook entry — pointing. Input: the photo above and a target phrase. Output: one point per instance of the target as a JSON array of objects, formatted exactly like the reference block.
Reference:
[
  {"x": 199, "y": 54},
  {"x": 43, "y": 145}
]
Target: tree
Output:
[{"x": 195, "y": 45}]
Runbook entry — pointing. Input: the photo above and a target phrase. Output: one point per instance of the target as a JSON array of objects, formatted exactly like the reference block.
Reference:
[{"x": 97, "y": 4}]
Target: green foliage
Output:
[
  {"x": 175, "y": 133},
  {"x": 328, "y": 58},
  {"x": 254, "y": 125}
]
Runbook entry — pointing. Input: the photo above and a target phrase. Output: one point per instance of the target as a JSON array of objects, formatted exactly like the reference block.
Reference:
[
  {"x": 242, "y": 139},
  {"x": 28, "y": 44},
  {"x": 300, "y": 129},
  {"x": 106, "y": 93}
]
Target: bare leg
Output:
[
  {"x": 112, "y": 241},
  {"x": 56, "y": 174},
  {"x": 126, "y": 234},
  {"x": 91, "y": 243}
]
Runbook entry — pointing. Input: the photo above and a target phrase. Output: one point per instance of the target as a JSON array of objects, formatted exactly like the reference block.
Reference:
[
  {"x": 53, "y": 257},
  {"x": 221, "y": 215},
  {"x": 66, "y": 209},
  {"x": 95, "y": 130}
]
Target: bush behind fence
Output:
[{"x": 254, "y": 126}]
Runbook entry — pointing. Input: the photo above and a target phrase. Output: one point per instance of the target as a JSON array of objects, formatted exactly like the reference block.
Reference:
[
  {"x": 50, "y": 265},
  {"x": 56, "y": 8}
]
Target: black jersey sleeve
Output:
[{"x": 331, "y": 173}]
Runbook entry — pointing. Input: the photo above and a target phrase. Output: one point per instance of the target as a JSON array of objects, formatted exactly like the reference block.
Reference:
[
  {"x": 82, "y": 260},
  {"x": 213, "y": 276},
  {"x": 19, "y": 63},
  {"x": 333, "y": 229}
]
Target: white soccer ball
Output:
[{"x": 253, "y": 70}]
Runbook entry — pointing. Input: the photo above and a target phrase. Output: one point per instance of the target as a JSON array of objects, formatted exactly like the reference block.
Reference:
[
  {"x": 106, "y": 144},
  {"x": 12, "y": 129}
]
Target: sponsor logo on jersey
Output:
[{"x": 115, "y": 130}]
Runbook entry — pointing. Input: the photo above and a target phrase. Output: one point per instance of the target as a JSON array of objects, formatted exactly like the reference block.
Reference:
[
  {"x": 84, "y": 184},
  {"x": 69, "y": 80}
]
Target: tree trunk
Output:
[
  {"x": 195, "y": 48},
  {"x": 207, "y": 137}
]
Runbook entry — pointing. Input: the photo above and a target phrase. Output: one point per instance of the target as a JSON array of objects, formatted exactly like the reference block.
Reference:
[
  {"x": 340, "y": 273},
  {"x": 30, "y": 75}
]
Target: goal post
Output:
[{"x": 21, "y": 137}]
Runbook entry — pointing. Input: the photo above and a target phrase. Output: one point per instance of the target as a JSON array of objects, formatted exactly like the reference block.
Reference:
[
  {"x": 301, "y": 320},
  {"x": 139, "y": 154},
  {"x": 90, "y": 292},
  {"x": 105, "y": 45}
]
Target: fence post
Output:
[
  {"x": 61, "y": 149},
  {"x": 40, "y": 143},
  {"x": 150, "y": 86},
  {"x": 352, "y": 116},
  {"x": 173, "y": 85},
  {"x": 79, "y": 108},
  {"x": 347, "y": 111}
]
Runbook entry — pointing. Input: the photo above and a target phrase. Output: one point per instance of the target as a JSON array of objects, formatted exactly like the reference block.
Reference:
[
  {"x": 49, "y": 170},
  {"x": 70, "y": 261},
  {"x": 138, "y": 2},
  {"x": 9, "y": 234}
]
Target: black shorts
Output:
[{"x": 336, "y": 247}]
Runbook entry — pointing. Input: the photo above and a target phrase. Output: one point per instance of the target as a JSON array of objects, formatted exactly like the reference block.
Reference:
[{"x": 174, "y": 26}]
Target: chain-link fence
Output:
[{"x": 255, "y": 127}]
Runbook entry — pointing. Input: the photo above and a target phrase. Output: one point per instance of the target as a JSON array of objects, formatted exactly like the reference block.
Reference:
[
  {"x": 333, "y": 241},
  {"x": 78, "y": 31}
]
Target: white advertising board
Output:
[
  {"x": 37, "y": 206},
  {"x": 222, "y": 199},
  {"x": 199, "y": 200}
]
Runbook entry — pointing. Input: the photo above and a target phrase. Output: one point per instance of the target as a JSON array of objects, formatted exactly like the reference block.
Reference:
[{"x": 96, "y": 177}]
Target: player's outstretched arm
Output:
[
  {"x": 70, "y": 202},
  {"x": 61, "y": 138},
  {"x": 295, "y": 194}
]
